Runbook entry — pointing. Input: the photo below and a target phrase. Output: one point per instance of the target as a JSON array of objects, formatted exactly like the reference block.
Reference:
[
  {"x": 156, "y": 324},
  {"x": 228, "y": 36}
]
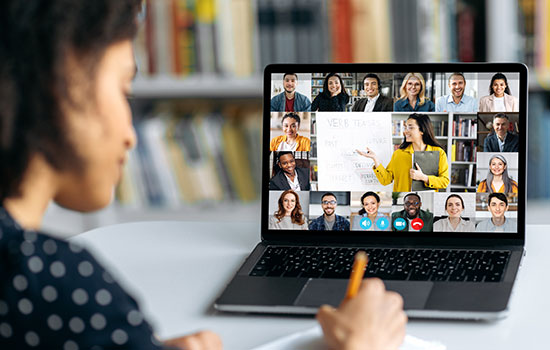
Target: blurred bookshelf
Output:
[{"x": 203, "y": 60}]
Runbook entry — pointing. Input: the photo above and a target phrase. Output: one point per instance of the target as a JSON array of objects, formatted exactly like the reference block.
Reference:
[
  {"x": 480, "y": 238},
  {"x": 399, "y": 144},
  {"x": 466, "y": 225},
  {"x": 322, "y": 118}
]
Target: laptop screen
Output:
[{"x": 378, "y": 149}]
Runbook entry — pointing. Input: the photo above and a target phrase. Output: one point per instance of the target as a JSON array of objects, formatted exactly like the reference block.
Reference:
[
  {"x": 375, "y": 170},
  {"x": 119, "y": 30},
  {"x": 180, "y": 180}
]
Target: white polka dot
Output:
[
  {"x": 49, "y": 247},
  {"x": 57, "y": 269},
  {"x": 85, "y": 269},
  {"x": 98, "y": 321},
  {"x": 76, "y": 325},
  {"x": 35, "y": 264},
  {"x": 119, "y": 337},
  {"x": 32, "y": 338},
  {"x": 5, "y": 330},
  {"x": 75, "y": 248},
  {"x": 49, "y": 293},
  {"x": 3, "y": 308},
  {"x": 20, "y": 283},
  {"x": 107, "y": 277},
  {"x": 25, "y": 306},
  {"x": 54, "y": 322},
  {"x": 30, "y": 236},
  {"x": 103, "y": 297},
  {"x": 70, "y": 345},
  {"x": 155, "y": 341},
  {"x": 134, "y": 318},
  {"x": 80, "y": 297},
  {"x": 27, "y": 248}
]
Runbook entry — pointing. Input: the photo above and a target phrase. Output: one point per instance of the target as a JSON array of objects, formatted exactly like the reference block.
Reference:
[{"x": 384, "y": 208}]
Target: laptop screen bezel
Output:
[{"x": 355, "y": 237}]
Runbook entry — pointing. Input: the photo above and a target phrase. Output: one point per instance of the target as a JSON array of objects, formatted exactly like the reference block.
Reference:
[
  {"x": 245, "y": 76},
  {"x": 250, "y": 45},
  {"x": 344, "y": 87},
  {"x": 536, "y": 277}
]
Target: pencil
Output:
[{"x": 357, "y": 272}]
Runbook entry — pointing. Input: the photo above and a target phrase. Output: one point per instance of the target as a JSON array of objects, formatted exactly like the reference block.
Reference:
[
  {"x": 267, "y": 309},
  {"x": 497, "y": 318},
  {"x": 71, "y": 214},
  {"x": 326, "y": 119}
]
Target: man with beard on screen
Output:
[
  {"x": 329, "y": 221},
  {"x": 412, "y": 217}
]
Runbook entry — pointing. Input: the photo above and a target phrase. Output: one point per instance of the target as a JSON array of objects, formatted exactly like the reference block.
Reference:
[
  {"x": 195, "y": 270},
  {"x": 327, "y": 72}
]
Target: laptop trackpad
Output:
[{"x": 317, "y": 292}]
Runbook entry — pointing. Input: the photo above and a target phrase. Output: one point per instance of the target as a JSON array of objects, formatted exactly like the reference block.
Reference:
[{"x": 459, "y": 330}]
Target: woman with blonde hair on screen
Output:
[{"x": 413, "y": 95}]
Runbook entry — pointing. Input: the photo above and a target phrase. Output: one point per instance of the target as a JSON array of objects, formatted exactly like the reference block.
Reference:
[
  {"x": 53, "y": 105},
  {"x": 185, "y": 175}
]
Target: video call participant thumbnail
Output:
[
  {"x": 374, "y": 102},
  {"x": 290, "y": 141},
  {"x": 287, "y": 175},
  {"x": 497, "y": 177},
  {"x": 290, "y": 100},
  {"x": 418, "y": 136},
  {"x": 368, "y": 218},
  {"x": 329, "y": 221},
  {"x": 413, "y": 95},
  {"x": 500, "y": 97},
  {"x": 502, "y": 140},
  {"x": 412, "y": 217},
  {"x": 334, "y": 96},
  {"x": 498, "y": 205},
  {"x": 289, "y": 216},
  {"x": 454, "y": 206},
  {"x": 457, "y": 100}
]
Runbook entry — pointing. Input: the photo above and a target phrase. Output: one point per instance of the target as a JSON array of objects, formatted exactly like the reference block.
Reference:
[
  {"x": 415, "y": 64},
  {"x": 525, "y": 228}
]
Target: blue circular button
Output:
[
  {"x": 365, "y": 223},
  {"x": 399, "y": 224},
  {"x": 382, "y": 223}
]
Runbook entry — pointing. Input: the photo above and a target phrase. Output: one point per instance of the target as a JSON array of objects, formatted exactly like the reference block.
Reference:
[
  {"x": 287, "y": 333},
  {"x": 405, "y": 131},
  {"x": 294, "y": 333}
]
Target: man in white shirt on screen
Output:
[{"x": 456, "y": 101}]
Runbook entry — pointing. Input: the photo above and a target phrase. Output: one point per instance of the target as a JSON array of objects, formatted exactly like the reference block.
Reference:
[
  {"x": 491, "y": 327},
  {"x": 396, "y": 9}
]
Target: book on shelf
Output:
[
  {"x": 464, "y": 127},
  {"x": 186, "y": 158},
  {"x": 463, "y": 176},
  {"x": 463, "y": 151}
]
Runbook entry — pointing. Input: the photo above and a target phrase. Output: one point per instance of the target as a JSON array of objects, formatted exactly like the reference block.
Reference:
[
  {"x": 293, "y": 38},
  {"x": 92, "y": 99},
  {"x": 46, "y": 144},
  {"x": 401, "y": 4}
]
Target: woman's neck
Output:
[
  {"x": 419, "y": 146},
  {"x": 412, "y": 100},
  {"x": 497, "y": 178},
  {"x": 291, "y": 139},
  {"x": 36, "y": 192},
  {"x": 454, "y": 221},
  {"x": 372, "y": 217}
]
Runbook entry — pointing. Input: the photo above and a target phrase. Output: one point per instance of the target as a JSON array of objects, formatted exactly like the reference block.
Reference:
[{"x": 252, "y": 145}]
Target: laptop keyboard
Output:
[{"x": 388, "y": 264}]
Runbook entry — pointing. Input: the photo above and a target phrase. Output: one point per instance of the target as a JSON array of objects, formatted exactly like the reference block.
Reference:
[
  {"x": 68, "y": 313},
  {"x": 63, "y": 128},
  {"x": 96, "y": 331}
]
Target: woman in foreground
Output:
[{"x": 66, "y": 68}]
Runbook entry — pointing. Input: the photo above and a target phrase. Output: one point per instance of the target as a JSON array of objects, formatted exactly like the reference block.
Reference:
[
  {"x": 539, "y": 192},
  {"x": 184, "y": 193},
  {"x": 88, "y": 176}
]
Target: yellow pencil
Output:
[{"x": 357, "y": 272}]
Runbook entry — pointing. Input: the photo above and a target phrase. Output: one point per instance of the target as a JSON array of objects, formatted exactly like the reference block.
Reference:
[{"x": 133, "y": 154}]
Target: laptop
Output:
[{"x": 337, "y": 174}]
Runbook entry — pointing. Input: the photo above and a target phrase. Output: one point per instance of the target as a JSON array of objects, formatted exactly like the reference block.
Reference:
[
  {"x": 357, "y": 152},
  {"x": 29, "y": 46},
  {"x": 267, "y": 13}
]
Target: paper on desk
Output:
[{"x": 312, "y": 339}]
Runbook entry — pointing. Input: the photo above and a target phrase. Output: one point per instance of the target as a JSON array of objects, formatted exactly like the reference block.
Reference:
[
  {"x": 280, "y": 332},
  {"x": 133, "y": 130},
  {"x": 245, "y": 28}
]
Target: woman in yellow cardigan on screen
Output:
[
  {"x": 290, "y": 141},
  {"x": 419, "y": 136}
]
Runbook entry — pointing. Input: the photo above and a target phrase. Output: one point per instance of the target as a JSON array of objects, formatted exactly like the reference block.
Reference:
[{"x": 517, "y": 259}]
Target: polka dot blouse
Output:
[{"x": 55, "y": 295}]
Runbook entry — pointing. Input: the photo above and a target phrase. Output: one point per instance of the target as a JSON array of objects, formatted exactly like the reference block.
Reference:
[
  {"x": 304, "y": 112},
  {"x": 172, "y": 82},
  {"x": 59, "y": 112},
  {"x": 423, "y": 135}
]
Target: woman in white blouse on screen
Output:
[{"x": 500, "y": 98}]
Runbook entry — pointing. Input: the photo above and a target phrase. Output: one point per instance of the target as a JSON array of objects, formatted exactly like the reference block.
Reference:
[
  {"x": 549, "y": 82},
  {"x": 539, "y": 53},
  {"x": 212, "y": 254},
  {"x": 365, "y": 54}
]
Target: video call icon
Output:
[{"x": 399, "y": 224}]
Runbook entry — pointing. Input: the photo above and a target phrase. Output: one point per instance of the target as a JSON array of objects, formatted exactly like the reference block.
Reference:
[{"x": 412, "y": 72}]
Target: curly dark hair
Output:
[{"x": 38, "y": 39}]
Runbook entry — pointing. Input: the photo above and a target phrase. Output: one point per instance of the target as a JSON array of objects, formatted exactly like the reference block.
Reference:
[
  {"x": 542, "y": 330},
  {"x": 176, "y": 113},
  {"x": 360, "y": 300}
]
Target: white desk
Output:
[{"x": 177, "y": 269}]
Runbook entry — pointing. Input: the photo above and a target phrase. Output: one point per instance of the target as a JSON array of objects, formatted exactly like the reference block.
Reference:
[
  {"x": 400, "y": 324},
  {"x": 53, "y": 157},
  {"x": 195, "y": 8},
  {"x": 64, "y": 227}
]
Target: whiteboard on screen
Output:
[{"x": 339, "y": 134}]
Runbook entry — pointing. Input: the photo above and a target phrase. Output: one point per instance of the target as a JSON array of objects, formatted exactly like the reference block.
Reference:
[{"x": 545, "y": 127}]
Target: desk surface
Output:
[{"x": 177, "y": 269}]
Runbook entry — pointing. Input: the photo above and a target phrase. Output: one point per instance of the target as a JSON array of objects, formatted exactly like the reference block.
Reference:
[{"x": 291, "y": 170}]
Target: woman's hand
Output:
[
  {"x": 374, "y": 319},
  {"x": 369, "y": 154},
  {"x": 417, "y": 174},
  {"x": 204, "y": 340}
]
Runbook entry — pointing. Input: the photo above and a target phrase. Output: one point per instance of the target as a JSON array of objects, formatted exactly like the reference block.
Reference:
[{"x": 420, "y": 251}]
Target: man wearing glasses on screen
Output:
[
  {"x": 329, "y": 221},
  {"x": 412, "y": 217}
]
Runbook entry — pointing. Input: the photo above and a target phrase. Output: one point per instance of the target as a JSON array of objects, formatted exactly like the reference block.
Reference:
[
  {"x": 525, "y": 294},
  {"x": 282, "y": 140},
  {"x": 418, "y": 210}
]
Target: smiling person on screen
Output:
[
  {"x": 418, "y": 136},
  {"x": 498, "y": 205},
  {"x": 413, "y": 217},
  {"x": 457, "y": 100}
]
